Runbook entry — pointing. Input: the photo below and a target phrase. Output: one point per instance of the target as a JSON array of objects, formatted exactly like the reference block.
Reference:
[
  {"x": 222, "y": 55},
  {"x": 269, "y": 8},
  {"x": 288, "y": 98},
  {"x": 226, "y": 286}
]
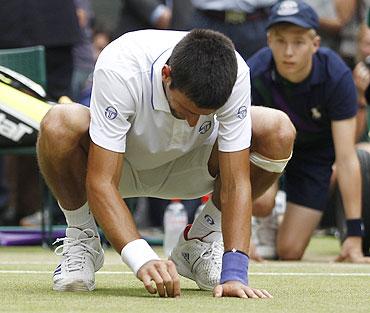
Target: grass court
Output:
[{"x": 315, "y": 285}]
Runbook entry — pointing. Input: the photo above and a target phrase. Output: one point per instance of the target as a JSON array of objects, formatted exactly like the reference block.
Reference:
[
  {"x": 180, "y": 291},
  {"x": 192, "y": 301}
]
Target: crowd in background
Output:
[{"x": 75, "y": 32}]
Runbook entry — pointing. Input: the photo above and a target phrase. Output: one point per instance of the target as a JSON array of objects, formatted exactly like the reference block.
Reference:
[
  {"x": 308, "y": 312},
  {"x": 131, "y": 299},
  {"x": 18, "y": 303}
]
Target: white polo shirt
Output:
[{"x": 130, "y": 112}]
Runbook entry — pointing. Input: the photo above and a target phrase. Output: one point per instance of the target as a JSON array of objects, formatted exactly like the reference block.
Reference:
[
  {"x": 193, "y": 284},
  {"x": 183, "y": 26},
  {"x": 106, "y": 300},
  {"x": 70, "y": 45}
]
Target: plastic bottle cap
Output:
[{"x": 205, "y": 198}]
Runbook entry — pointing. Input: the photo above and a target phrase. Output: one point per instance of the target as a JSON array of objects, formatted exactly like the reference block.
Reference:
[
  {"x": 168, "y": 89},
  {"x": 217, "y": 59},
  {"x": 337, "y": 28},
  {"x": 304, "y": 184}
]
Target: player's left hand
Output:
[
  {"x": 239, "y": 290},
  {"x": 352, "y": 251}
]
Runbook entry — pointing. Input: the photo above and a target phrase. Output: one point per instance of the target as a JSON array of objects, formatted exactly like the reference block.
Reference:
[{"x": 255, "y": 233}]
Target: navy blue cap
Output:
[{"x": 295, "y": 12}]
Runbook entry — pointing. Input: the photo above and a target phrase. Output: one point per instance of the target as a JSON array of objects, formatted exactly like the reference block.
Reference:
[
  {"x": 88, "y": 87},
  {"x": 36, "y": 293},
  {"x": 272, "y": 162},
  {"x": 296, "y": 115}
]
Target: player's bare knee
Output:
[
  {"x": 283, "y": 135},
  {"x": 51, "y": 126},
  {"x": 51, "y": 131},
  {"x": 62, "y": 121},
  {"x": 273, "y": 134}
]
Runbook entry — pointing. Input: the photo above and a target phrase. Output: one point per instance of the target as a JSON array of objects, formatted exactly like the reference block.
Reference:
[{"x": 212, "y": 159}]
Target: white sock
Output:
[
  {"x": 80, "y": 218},
  {"x": 209, "y": 220}
]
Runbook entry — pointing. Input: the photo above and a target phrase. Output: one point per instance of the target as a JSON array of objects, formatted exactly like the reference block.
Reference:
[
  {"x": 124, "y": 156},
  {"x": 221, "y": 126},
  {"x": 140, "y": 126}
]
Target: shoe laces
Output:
[
  {"x": 214, "y": 252},
  {"x": 74, "y": 249}
]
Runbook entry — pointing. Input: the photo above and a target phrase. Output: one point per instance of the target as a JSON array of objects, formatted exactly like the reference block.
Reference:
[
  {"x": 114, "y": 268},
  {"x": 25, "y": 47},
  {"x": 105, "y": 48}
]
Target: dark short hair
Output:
[{"x": 204, "y": 67}]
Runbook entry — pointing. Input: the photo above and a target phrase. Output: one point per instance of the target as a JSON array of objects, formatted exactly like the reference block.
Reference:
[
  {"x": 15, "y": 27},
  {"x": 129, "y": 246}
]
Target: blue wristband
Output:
[
  {"x": 234, "y": 267},
  {"x": 355, "y": 227}
]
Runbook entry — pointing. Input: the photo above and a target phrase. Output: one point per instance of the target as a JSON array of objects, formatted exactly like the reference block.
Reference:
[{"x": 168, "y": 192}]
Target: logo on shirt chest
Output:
[
  {"x": 315, "y": 113},
  {"x": 110, "y": 113},
  {"x": 206, "y": 126}
]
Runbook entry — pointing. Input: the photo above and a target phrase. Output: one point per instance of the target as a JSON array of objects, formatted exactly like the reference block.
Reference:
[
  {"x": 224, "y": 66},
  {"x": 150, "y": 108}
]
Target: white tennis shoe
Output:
[
  {"x": 82, "y": 255},
  {"x": 264, "y": 229},
  {"x": 198, "y": 260},
  {"x": 264, "y": 232}
]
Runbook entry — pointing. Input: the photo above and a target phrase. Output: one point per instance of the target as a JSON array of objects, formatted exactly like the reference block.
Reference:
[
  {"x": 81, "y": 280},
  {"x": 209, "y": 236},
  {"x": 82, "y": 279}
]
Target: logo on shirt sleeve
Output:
[
  {"x": 242, "y": 112},
  {"x": 110, "y": 113},
  {"x": 206, "y": 126}
]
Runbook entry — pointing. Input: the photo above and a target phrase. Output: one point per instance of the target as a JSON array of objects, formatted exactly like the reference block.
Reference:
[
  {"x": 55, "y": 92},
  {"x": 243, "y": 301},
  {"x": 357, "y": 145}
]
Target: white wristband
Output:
[{"x": 136, "y": 253}]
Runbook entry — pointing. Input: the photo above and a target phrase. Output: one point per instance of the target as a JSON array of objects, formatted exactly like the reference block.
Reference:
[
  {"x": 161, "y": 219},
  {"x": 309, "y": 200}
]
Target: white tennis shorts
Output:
[{"x": 185, "y": 178}]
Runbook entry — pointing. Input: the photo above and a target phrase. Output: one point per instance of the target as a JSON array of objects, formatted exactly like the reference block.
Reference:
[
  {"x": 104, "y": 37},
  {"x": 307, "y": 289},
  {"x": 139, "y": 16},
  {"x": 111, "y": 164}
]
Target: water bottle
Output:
[
  {"x": 200, "y": 208},
  {"x": 174, "y": 221},
  {"x": 280, "y": 202},
  {"x": 280, "y": 206}
]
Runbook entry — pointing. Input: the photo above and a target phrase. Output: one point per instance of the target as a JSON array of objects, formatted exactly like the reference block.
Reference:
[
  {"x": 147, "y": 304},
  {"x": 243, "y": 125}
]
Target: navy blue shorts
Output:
[{"x": 307, "y": 179}]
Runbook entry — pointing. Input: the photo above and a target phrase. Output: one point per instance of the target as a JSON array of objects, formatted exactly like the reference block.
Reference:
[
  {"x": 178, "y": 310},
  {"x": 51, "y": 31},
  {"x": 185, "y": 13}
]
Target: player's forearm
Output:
[
  {"x": 236, "y": 207},
  {"x": 113, "y": 215},
  {"x": 349, "y": 179}
]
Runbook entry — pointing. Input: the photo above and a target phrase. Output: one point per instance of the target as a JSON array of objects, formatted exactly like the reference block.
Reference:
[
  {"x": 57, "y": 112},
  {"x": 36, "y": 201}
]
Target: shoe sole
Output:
[{"x": 77, "y": 285}]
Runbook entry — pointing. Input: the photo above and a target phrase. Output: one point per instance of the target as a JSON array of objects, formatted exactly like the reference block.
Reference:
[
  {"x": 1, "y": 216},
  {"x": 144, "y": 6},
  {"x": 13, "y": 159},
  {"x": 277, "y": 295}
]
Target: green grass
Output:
[{"x": 312, "y": 285}]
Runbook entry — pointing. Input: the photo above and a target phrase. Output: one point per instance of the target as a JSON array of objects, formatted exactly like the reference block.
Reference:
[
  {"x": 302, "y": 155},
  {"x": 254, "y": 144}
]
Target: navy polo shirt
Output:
[{"x": 327, "y": 94}]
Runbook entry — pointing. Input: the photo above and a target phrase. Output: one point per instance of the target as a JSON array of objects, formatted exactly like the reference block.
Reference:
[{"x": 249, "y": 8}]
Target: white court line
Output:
[
  {"x": 51, "y": 272},
  {"x": 45, "y": 263},
  {"x": 308, "y": 274},
  {"x": 251, "y": 274}
]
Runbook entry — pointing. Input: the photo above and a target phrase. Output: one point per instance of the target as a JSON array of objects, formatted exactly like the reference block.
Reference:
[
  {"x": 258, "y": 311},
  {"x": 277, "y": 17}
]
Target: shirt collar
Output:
[{"x": 158, "y": 97}]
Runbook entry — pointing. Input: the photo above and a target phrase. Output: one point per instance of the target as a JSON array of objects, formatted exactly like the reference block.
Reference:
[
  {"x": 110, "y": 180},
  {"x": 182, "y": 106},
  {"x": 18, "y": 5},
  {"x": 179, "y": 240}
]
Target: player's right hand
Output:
[{"x": 164, "y": 275}]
